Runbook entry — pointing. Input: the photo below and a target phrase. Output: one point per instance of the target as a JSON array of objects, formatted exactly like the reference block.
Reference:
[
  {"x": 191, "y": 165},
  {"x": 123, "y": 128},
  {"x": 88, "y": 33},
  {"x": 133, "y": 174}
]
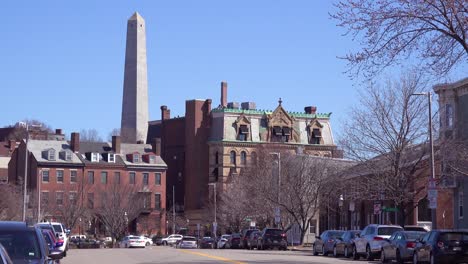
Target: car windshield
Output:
[
  {"x": 414, "y": 235},
  {"x": 335, "y": 234},
  {"x": 235, "y": 235},
  {"x": 225, "y": 236},
  {"x": 47, "y": 239},
  {"x": 387, "y": 231},
  {"x": 58, "y": 228},
  {"x": 20, "y": 244},
  {"x": 459, "y": 236},
  {"x": 133, "y": 237},
  {"x": 275, "y": 232},
  {"x": 189, "y": 239}
]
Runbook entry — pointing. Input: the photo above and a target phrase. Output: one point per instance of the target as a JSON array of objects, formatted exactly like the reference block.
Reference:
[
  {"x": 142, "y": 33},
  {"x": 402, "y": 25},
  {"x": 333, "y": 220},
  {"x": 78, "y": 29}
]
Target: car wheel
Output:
[
  {"x": 355, "y": 254},
  {"x": 334, "y": 252},
  {"x": 432, "y": 259},
  {"x": 369, "y": 256},
  {"x": 323, "y": 251},
  {"x": 165, "y": 243},
  {"x": 314, "y": 250},
  {"x": 398, "y": 257},
  {"x": 147, "y": 244},
  {"x": 415, "y": 258},
  {"x": 382, "y": 257}
]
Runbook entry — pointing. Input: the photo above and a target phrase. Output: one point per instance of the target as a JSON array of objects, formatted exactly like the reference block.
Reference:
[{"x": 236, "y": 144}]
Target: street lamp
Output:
[
  {"x": 431, "y": 145},
  {"x": 277, "y": 209},
  {"x": 126, "y": 222},
  {"x": 215, "y": 224}
]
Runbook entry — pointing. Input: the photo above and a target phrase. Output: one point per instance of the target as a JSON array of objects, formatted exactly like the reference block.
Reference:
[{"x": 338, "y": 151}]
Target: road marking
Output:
[{"x": 212, "y": 256}]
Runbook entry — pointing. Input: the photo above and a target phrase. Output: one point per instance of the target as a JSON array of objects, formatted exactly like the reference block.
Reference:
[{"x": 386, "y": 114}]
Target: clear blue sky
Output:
[{"x": 62, "y": 61}]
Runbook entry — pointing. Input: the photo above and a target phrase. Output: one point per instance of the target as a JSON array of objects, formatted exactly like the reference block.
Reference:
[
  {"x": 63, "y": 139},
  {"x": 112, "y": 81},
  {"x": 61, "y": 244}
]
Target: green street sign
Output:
[{"x": 390, "y": 209}]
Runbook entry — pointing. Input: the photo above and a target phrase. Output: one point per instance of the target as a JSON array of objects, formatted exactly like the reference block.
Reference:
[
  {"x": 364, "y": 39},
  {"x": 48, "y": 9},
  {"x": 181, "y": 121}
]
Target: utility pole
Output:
[
  {"x": 25, "y": 178},
  {"x": 173, "y": 209},
  {"x": 215, "y": 223},
  {"x": 277, "y": 210}
]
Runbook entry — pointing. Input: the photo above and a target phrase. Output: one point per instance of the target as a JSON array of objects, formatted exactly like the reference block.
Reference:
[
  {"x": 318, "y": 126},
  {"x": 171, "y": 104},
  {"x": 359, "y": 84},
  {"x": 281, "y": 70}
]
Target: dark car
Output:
[
  {"x": 400, "y": 246},
  {"x": 233, "y": 241},
  {"x": 252, "y": 240},
  {"x": 4, "y": 257},
  {"x": 442, "y": 246},
  {"x": 245, "y": 236},
  {"x": 326, "y": 242},
  {"x": 26, "y": 244},
  {"x": 207, "y": 242},
  {"x": 157, "y": 240},
  {"x": 344, "y": 244},
  {"x": 271, "y": 238}
]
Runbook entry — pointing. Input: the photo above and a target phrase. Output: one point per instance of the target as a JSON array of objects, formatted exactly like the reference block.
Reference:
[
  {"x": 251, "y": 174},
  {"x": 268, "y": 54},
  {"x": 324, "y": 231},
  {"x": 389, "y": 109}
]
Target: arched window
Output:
[
  {"x": 424, "y": 213},
  {"x": 253, "y": 157},
  {"x": 216, "y": 157},
  {"x": 233, "y": 157},
  {"x": 243, "y": 158}
]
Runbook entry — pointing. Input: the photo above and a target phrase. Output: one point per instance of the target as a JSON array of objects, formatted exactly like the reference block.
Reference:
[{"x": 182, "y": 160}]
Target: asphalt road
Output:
[{"x": 155, "y": 254}]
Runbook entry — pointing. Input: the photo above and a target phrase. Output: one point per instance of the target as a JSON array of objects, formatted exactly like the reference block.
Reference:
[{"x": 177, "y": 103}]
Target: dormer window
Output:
[
  {"x": 51, "y": 154},
  {"x": 152, "y": 159},
  {"x": 66, "y": 155},
  {"x": 243, "y": 132},
  {"x": 136, "y": 158},
  {"x": 316, "y": 136},
  {"x": 94, "y": 157},
  {"x": 281, "y": 134},
  {"x": 111, "y": 157}
]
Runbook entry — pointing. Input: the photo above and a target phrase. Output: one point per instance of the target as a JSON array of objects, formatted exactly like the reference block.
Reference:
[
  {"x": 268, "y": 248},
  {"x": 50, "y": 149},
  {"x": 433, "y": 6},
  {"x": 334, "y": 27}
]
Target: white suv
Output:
[
  {"x": 369, "y": 242},
  {"x": 60, "y": 233},
  {"x": 172, "y": 239}
]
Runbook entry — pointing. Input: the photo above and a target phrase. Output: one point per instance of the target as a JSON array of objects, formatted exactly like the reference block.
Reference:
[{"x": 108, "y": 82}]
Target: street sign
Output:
[
  {"x": 277, "y": 215},
  {"x": 432, "y": 184},
  {"x": 377, "y": 208},
  {"x": 432, "y": 197},
  {"x": 252, "y": 223},
  {"x": 390, "y": 209}
]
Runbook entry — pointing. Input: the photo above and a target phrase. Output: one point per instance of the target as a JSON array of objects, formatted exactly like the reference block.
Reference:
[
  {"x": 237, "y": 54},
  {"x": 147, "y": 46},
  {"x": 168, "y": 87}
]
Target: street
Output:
[{"x": 156, "y": 254}]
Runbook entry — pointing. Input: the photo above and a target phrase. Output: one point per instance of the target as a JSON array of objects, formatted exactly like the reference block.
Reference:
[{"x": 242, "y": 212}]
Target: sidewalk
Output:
[{"x": 300, "y": 248}]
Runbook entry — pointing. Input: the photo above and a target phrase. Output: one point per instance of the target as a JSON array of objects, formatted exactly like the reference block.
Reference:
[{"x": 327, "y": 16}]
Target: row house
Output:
[{"x": 61, "y": 174}]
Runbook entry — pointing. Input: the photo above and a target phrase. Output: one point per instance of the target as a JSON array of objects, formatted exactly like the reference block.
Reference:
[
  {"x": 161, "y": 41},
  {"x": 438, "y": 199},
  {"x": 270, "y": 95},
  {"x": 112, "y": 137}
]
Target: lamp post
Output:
[
  {"x": 340, "y": 205},
  {"x": 431, "y": 145},
  {"x": 126, "y": 222},
  {"x": 215, "y": 224},
  {"x": 277, "y": 210}
]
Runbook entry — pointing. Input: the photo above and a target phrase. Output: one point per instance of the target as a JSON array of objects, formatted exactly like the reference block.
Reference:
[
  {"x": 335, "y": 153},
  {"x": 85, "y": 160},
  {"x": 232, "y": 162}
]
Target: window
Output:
[
  {"x": 243, "y": 158},
  {"x": 73, "y": 175},
  {"x": 216, "y": 157},
  {"x": 152, "y": 159},
  {"x": 316, "y": 136},
  {"x": 68, "y": 155},
  {"x": 59, "y": 198},
  {"x": 424, "y": 213},
  {"x": 104, "y": 177},
  {"x": 51, "y": 154},
  {"x": 94, "y": 157},
  {"x": 72, "y": 197},
  {"x": 145, "y": 178},
  {"x": 233, "y": 157},
  {"x": 157, "y": 201},
  {"x": 45, "y": 176},
  {"x": 111, "y": 157},
  {"x": 136, "y": 158},
  {"x": 45, "y": 198},
  {"x": 117, "y": 177},
  {"x": 312, "y": 226},
  {"x": 59, "y": 174},
  {"x": 132, "y": 177},
  {"x": 157, "y": 178},
  {"x": 280, "y": 134},
  {"x": 90, "y": 200},
  {"x": 91, "y": 177},
  {"x": 449, "y": 116},
  {"x": 460, "y": 205},
  {"x": 243, "y": 133}
]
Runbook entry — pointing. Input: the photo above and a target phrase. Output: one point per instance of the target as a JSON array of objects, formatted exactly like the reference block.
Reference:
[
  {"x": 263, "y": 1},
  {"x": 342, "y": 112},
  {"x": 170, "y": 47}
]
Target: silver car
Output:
[
  {"x": 187, "y": 242},
  {"x": 370, "y": 241},
  {"x": 400, "y": 246}
]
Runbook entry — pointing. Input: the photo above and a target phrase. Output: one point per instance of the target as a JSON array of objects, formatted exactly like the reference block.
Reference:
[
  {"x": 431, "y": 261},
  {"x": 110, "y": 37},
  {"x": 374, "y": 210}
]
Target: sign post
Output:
[{"x": 432, "y": 194}]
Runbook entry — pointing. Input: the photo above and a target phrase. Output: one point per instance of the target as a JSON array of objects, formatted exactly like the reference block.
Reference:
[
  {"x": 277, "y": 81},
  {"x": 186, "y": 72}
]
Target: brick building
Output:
[
  {"x": 207, "y": 146},
  {"x": 62, "y": 173}
]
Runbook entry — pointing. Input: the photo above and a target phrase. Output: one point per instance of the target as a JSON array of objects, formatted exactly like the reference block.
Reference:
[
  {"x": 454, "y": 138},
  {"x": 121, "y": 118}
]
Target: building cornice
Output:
[{"x": 252, "y": 144}]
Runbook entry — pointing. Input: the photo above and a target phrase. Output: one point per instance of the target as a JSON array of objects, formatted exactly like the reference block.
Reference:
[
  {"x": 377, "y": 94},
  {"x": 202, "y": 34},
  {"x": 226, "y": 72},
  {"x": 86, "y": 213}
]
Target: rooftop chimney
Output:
[
  {"x": 156, "y": 146},
  {"x": 116, "y": 144},
  {"x": 165, "y": 113},
  {"x": 58, "y": 131},
  {"x": 11, "y": 144},
  {"x": 311, "y": 110},
  {"x": 75, "y": 142},
  {"x": 248, "y": 106},
  {"x": 224, "y": 94}
]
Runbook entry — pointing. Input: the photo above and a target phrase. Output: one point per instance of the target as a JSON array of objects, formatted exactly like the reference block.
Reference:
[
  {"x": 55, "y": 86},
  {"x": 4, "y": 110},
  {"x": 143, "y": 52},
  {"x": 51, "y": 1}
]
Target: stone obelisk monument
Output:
[{"x": 134, "y": 126}]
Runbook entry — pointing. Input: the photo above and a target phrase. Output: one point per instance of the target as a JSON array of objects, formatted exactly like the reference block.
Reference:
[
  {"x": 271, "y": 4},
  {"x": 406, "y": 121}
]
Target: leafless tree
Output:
[
  {"x": 35, "y": 127},
  {"x": 387, "y": 132},
  {"x": 395, "y": 31},
  {"x": 11, "y": 202},
  {"x": 114, "y": 132},
  {"x": 90, "y": 135}
]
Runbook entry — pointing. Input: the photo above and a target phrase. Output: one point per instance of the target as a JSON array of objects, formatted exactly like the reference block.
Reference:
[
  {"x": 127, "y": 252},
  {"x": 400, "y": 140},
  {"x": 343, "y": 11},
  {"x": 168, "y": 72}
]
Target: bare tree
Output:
[
  {"x": 387, "y": 132},
  {"x": 392, "y": 31},
  {"x": 11, "y": 206},
  {"x": 90, "y": 135},
  {"x": 114, "y": 132},
  {"x": 37, "y": 129}
]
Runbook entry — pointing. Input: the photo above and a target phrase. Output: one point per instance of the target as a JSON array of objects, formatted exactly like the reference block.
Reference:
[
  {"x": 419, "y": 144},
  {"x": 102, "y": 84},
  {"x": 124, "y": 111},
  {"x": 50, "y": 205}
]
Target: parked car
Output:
[
  {"x": 442, "y": 246},
  {"x": 59, "y": 232},
  {"x": 157, "y": 240},
  {"x": 207, "y": 242},
  {"x": 172, "y": 239},
  {"x": 187, "y": 242},
  {"x": 369, "y": 242},
  {"x": 344, "y": 244},
  {"x": 4, "y": 257},
  {"x": 51, "y": 240},
  {"x": 26, "y": 244},
  {"x": 149, "y": 241},
  {"x": 252, "y": 240},
  {"x": 271, "y": 238},
  {"x": 132, "y": 241},
  {"x": 400, "y": 246},
  {"x": 222, "y": 241},
  {"x": 325, "y": 243},
  {"x": 233, "y": 241},
  {"x": 245, "y": 236}
]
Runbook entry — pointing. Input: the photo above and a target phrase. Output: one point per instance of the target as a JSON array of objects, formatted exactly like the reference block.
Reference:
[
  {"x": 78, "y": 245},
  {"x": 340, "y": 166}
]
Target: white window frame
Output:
[
  {"x": 76, "y": 176},
  {"x": 135, "y": 158},
  {"x": 94, "y": 157},
  {"x": 56, "y": 196},
  {"x": 111, "y": 158},
  {"x": 152, "y": 159},
  {"x": 68, "y": 155},
  {"x": 51, "y": 154},
  {"x": 42, "y": 176},
  {"x": 460, "y": 205},
  {"x": 57, "y": 174}
]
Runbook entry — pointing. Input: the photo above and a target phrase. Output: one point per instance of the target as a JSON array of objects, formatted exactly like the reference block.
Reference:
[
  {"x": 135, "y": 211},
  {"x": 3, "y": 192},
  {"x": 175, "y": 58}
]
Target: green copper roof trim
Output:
[{"x": 261, "y": 112}]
